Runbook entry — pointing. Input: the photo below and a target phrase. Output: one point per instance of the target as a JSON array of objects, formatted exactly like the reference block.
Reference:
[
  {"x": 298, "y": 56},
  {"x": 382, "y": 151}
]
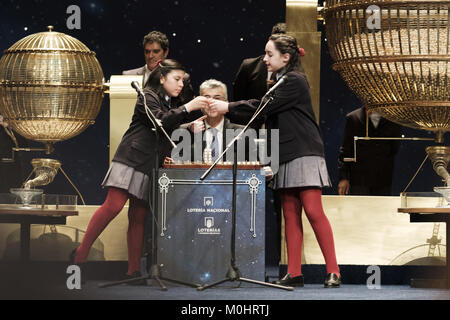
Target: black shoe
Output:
[
  {"x": 287, "y": 280},
  {"x": 332, "y": 281},
  {"x": 72, "y": 256},
  {"x": 82, "y": 266},
  {"x": 139, "y": 282}
]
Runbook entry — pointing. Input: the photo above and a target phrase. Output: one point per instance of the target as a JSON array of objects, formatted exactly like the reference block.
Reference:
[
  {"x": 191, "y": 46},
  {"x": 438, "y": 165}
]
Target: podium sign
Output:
[{"x": 195, "y": 219}]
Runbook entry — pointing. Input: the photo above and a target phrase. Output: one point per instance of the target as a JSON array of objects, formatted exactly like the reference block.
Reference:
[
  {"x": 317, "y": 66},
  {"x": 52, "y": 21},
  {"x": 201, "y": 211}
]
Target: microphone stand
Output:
[
  {"x": 233, "y": 273},
  {"x": 155, "y": 270}
]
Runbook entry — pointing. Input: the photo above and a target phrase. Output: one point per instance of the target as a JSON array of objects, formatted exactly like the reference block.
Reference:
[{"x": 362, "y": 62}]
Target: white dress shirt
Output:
[
  {"x": 147, "y": 73},
  {"x": 375, "y": 118}
]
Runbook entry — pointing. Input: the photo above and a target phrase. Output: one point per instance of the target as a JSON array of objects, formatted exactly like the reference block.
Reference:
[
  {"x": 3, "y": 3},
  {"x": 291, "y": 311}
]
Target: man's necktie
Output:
[{"x": 214, "y": 144}]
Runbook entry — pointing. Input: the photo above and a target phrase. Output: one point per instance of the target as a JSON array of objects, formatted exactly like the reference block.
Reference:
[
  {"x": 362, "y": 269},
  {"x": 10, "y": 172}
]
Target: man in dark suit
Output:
[
  {"x": 156, "y": 49},
  {"x": 372, "y": 172},
  {"x": 251, "y": 79},
  {"x": 212, "y": 125},
  {"x": 11, "y": 175}
]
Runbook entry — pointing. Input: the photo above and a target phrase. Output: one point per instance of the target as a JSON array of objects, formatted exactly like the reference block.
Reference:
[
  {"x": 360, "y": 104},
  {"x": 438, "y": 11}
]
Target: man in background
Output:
[
  {"x": 251, "y": 79},
  {"x": 11, "y": 175},
  {"x": 372, "y": 172},
  {"x": 156, "y": 49}
]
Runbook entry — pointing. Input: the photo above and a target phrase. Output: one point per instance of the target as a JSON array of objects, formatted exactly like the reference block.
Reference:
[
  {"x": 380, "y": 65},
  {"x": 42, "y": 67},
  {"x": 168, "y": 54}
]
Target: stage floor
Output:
[
  {"x": 47, "y": 281},
  {"x": 226, "y": 292}
]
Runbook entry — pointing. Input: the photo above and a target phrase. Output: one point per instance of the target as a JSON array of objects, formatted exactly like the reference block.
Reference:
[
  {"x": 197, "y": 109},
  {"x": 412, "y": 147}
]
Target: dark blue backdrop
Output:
[{"x": 210, "y": 38}]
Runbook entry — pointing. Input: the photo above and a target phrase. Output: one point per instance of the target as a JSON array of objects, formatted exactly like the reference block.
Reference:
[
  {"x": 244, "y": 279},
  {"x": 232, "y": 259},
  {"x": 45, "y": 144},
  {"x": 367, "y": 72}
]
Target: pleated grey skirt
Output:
[
  {"x": 124, "y": 177},
  {"x": 309, "y": 171}
]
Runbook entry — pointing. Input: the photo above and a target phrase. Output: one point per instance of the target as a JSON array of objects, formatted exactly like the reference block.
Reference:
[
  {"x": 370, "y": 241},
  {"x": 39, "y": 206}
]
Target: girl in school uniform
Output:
[
  {"x": 302, "y": 173},
  {"x": 128, "y": 177}
]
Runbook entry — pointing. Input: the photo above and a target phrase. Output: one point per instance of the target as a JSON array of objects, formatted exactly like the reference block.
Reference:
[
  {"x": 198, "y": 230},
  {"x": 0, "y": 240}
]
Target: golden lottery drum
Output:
[
  {"x": 51, "y": 87},
  {"x": 401, "y": 68}
]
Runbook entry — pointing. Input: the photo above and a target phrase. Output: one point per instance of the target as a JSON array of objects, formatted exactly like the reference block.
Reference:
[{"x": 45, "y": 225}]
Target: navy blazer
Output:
[
  {"x": 138, "y": 146},
  {"x": 291, "y": 112}
]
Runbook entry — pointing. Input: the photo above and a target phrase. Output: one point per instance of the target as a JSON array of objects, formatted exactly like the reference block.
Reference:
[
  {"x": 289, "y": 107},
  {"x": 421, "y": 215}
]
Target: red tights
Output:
[
  {"x": 114, "y": 203},
  {"x": 293, "y": 199}
]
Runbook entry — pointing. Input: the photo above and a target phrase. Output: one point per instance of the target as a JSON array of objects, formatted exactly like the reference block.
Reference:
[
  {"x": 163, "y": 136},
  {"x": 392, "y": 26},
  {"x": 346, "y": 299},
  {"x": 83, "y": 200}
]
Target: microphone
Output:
[
  {"x": 279, "y": 83},
  {"x": 137, "y": 87}
]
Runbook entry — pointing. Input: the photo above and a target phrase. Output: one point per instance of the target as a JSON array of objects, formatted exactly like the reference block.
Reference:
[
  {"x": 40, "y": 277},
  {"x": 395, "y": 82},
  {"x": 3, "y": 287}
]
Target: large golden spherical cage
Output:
[
  {"x": 51, "y": 87},
  {"x": 401, "y": 68}
]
